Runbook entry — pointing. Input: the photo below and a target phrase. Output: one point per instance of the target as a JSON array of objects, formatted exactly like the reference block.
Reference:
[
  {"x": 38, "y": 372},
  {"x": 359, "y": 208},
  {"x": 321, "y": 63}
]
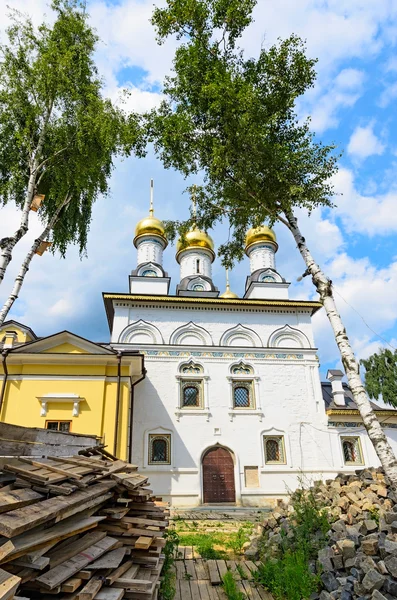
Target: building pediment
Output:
[{"x": 63, "y": 342}]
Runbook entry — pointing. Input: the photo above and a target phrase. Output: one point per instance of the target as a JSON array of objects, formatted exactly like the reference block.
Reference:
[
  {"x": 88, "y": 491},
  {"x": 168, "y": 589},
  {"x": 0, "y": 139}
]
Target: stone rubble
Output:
[{"x": 360, "y": 560}]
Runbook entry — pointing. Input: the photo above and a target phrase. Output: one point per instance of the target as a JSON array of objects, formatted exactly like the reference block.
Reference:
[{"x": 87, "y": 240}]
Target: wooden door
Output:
[{"x": 218, "y": 476}]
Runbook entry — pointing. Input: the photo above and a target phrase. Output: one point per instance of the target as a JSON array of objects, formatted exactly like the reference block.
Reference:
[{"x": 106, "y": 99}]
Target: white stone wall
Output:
[
  {"x": 262, "y": 256},
  {"x": 195, "y": 262},
  {"x": 150, "y": 250}
]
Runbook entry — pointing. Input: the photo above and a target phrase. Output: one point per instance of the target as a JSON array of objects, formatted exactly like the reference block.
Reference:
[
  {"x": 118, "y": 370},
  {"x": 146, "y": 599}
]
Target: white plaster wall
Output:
[
  {"x": 287, "y": 398},
  {"x": 149, "y": 285},
  {"x": 262, "y": 256},
  {"x": 216, "y": 320},
  {"x": 188, "y": 262},
  {"x": 150, "y": 250},
  {"x": 268, "y": 291}
]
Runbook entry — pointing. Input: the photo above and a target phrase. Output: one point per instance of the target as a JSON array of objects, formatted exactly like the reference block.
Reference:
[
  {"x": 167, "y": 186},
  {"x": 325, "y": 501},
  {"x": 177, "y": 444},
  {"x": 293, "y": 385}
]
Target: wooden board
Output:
[
  {"x": 91, "y": 588},
  {"x": 8, "y": 585},
  {"x": 110, "y": 579},
  {"x": 59, "y": 555},
  {"x": 143, "y": 542},
  {"x": 59, "y": 574},
  {"x": 21, "y": 544},
  {"x": 213, "y": 571},
  {"x": 110, "y": 560},
  {"x": 17, "y": 499},
  {"x": 109, "y": 594},
  {"x": 22, "y": 519}
]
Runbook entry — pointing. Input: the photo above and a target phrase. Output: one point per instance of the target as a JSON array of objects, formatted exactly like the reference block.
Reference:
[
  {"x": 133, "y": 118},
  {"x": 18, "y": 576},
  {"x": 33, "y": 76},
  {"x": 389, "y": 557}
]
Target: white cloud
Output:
[
  {"x": 388, "y": 95},
  {"x": 366, "y": 214},
  {"x": 364, "y": 143}
]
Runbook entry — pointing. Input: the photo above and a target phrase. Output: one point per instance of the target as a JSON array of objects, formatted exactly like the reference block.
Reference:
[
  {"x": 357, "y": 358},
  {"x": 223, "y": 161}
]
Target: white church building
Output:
[{"x": 231, "y": 409}]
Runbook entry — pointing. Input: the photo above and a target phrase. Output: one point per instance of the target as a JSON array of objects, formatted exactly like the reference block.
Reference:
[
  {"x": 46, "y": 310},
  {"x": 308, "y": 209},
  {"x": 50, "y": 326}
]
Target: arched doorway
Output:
[{"x": 218, "y": 476}]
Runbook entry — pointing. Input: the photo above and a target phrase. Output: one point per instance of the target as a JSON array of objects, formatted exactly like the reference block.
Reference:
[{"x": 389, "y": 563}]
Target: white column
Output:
[
  {"x": 150, "y": 250},
  {"x": 195, "y": 262}
]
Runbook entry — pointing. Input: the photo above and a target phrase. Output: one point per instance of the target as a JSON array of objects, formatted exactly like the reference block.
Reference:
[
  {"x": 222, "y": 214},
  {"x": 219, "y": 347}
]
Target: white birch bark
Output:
[
  {"x": 324, "y": 288},
  {"x": 8, "y": 244},
  {"x": 28, "y": 259}
]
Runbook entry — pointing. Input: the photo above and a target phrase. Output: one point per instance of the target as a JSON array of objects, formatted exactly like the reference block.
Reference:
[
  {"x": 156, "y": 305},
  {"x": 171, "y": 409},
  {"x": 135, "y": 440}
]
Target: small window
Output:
[
  {"x": 149, "y": 273},
  {"x": 59, "y": 425},
  {"x": 159, "y": 449},
  {"x": 241, "y": 396},
  {"x": 191, "y": 396},
  {"x": 198, "y": 287},
  {"x": 352, "y": 453},
  {"x": 274, "y": 450},
  {"x": 198, "y": 266}
]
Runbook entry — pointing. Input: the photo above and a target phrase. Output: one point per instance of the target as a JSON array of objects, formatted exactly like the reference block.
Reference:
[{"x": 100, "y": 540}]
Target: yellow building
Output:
[{"x": 68, "y": 383}]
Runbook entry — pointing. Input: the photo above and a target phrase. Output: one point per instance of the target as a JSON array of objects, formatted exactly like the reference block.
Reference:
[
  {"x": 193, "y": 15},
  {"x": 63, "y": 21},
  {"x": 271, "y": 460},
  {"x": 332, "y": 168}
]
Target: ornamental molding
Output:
[
  {"x": 64, "y": 398},
  {"x": 241, "y": 332},
  {"x": 278, "y": 338},
  {"x": 351, "y": 424},
  {"x": 189, "y": 331},
  {"x": 141, "y": 328},
  {"x": 226, "y": 355}
]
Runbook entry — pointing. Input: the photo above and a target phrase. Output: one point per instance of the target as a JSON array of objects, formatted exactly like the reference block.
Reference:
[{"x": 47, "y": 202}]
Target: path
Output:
[
  {"x": 214, "y": 513},
  {"x": 199, "y": 579}
]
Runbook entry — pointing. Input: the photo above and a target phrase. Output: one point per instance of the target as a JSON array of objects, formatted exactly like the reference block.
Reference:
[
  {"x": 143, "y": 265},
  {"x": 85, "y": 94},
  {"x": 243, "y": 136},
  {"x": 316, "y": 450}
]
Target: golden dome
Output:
[
  {"x": 263, "y": 233},
  {"x": 150, "y": 226},
  {"x": 195, "y": 238},
  {"x": 228, "y": 294}
]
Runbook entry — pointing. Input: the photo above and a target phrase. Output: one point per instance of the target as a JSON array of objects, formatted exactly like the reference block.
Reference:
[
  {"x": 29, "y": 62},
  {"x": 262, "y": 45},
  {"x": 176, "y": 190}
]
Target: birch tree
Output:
[
  {"x": 233, "y": 120},
  {"x": 58, "y": 134}
]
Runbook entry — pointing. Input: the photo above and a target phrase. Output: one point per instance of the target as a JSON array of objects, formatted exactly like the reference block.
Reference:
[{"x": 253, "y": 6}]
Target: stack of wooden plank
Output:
[{"x": 80, "y": 528}]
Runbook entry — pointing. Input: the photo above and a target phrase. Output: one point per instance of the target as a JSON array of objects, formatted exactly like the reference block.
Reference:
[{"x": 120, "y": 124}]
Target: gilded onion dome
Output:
[
  {"x": 261, "y": 234},
  {"x": 195, "y": 239},
  {"x": 150, "y": 226},
  {"x": 228, "y": 294}
]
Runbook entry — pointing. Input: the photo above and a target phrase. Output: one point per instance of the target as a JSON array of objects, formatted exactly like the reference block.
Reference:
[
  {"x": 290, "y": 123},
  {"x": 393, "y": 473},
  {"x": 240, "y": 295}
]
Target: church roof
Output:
[{"x": 350, "y": 405}]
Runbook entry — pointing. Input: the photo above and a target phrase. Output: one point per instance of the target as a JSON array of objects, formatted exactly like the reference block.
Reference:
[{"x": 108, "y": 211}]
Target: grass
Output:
[
  {"x": 230, "y": 587},
  {"x": 215, "y": 544}
]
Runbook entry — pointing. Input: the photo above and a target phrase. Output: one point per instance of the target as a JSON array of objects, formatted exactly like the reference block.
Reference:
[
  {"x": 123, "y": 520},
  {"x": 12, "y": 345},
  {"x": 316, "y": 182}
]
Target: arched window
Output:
[
  {"x": 159, "y": 449},
  {"x": 274, "y": 449},
  {"x": 352, "y": 451},
  {"x": 242, "y": 386},
  {"x": 191, "y": 385},
  {"x": 191, "y": 394},
  {"x": 149, "y": 273},
  {"x": 241, "y": 395},
  {"x": 198, "y": 287}
]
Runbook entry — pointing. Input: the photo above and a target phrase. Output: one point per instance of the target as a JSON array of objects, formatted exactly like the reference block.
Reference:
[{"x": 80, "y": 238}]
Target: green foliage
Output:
[
  {"x": 237, "y": 540},
  {"x": 230, "y": 587},
  {"x": 381, "y": 376},
  {"x": 234, "y": 119},
  {"x": 56, "y": 129},
  {"x": 311, "y": 524},
  {"x": 204, "y": 543},
  {"x": 287, "y": 578},
  {"x": 241, "y": 571},
  {"x": 167, "y": 586},
  {"x": 375, "y": 513},
  {"x": 287, "y": 575}
]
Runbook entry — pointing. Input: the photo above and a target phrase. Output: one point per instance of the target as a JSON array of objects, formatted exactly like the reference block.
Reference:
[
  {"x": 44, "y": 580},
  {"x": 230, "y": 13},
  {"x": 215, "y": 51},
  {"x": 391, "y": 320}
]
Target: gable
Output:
[
  {"x": 64, "y": 342},
  {"x": 66, "y": 348},
  {"x": 24, "y": 334}
]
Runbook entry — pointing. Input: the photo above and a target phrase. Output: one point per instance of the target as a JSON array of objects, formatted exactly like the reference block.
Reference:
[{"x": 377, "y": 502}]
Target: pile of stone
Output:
[{"x": 360, "y": 558}]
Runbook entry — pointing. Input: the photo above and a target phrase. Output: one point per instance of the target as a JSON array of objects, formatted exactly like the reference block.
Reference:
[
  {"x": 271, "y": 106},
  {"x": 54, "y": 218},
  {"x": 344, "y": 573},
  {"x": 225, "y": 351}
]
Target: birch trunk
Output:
[
  {"x": 324, "y": 288},
  {"x": 7, "y": 245},
  {"x": 28, "y": 259}
]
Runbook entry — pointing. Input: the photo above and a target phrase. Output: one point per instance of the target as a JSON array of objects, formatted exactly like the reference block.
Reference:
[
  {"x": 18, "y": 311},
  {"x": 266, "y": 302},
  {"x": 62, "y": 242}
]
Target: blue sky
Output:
[{"x": 353, "y": 104}]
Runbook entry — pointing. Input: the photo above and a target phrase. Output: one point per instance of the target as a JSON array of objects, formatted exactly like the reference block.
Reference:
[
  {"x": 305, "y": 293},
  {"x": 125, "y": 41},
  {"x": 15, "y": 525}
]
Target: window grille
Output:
[
  {"x": 159, "y": 449},
  {"x": 241, "y": 397},
  {"x": 59, "y": 425},
  {"x": 274, "y": 450},
  {"x": 191, "y": 395},
  {"x": 352, "y": 451}
]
